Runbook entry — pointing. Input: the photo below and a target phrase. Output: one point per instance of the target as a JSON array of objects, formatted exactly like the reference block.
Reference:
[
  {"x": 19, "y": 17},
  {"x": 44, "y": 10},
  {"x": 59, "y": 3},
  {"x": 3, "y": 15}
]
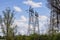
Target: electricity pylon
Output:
[{"x": 33, "y": 22}]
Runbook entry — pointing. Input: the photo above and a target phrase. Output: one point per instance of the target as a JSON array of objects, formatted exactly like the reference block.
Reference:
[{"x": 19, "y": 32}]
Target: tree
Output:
[
  {"x": 7, "y": 24},
  {"x": 54, "y": 5}
]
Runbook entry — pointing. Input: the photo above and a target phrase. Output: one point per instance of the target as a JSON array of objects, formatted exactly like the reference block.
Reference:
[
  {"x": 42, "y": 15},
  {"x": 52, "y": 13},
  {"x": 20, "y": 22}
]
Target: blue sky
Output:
[
  {"x": 20, "y": 7},
  {"x": 43, "y": 10}
]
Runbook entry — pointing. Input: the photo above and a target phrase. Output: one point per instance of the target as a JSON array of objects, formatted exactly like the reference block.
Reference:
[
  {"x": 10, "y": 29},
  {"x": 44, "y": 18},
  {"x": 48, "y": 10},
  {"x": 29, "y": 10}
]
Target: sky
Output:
[{"x": 21, "y": 13}]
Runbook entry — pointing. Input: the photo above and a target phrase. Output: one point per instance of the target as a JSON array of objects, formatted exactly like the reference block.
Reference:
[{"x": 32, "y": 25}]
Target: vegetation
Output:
[
  {"x": 37, "y": 37},
  {"x": 7, "y": 24}
]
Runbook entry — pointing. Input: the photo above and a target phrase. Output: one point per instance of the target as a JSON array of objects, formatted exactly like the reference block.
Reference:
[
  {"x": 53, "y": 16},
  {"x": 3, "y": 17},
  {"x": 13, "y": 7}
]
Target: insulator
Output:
[{"x": 36, "y": 14}]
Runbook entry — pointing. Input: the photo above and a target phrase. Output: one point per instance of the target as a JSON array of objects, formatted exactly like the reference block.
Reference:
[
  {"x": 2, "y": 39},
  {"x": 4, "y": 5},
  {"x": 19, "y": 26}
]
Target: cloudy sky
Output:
[{"x": 21, "y": 15}]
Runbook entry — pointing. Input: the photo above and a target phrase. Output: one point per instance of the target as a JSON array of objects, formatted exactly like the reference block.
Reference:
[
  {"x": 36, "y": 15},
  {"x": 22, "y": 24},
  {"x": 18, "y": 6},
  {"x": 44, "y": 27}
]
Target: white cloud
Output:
[
  {"x": 23, "y": 18},
  {"x": 23, "y": 25},
  {"x": 21, "y": 21},
  {"x": 29, "y": 0},
  {"x": 44, "y": 22},
  {"x": 43, "y": 17},
  {"x": 18, "y": 9},
  {"x": 33, "y": 4}
]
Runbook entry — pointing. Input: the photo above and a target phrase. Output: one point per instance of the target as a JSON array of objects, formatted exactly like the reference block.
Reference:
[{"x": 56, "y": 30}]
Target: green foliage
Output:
[{"x": 37, "y": 37}]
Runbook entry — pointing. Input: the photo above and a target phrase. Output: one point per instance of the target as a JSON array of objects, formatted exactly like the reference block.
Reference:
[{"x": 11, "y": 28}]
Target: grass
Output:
[{"x": 2, "y": 39}]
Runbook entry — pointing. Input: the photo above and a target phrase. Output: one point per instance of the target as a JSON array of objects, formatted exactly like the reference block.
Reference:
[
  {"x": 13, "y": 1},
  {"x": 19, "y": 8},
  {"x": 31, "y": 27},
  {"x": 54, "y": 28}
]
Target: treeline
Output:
[{"x": 37, "y": 37}]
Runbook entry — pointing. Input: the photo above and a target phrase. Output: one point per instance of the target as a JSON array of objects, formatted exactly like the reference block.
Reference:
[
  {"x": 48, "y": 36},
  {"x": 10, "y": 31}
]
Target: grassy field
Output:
[{"x": 2, "y": 39}]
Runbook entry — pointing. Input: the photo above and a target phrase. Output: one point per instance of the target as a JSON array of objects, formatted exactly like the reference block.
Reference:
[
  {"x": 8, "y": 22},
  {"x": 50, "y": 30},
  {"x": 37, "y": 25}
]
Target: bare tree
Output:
[
  {"x": 54, "y": 5},
  {"x": 7, "y": 24}
]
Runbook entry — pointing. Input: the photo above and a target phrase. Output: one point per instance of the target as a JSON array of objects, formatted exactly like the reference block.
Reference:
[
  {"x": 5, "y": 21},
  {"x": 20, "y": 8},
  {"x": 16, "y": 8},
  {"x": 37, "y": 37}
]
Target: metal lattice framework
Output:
[{"x": 33, "y": 22}]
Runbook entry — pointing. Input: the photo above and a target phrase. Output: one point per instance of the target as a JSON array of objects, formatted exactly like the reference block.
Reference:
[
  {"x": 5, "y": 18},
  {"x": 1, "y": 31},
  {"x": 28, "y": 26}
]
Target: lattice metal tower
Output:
[
  {"x": 37, "y": 23},
  {"x": 33, "y": 22}
]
